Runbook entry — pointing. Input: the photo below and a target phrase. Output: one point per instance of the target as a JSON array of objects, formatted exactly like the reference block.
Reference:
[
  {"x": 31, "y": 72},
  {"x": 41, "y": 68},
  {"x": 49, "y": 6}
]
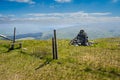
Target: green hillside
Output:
[{"x": 34, "y": 61}]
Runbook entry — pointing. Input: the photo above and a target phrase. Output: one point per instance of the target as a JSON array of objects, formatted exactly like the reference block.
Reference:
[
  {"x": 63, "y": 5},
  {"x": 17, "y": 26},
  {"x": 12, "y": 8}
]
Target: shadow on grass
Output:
[
  {"x": 102, "y": 72},
  {"x": 11, "y": 49},
  {"x": 47, "y": 61}
]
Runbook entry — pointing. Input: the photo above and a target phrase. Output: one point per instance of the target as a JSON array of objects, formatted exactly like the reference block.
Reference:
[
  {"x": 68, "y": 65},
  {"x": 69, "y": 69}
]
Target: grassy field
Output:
[{"x": 34, "y": 61}]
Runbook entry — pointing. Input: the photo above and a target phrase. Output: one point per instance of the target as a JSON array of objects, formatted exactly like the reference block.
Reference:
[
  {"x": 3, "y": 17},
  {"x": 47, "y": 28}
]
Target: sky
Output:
[{"x": 57, "y": 13}]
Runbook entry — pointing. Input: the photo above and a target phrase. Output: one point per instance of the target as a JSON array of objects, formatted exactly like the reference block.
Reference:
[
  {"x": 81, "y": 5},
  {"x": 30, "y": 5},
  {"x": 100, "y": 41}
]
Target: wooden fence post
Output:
[
  {"x": 55, "y": 43},
  {"x": 12, "y": 45},
  {"x": 14, "y": 36},
  {"x": 54, "y": 46}
]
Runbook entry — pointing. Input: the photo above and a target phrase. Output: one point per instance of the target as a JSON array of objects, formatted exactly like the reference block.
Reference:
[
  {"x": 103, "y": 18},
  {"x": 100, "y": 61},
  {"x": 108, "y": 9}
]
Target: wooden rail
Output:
[{"x": 5, "y": 37}]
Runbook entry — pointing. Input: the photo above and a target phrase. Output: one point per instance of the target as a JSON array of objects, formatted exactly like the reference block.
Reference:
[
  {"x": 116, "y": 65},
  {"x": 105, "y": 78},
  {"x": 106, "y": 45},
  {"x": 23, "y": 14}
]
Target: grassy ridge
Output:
[{"x": 34, "y": 61}]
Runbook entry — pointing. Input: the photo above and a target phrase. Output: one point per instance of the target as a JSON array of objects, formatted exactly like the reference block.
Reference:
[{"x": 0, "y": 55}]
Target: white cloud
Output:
[
  {"x": 114, "y": 1},
  {"x": 62, "y": 18},
  {"x": 0, "y": 15},
  {"x": 11, "y": 15},
  {"x": 101, "y": 14},
  {"x": 23, "y": 1},
  {"x": 80, "y": 14},
  {"x": 63, "y": 1}
]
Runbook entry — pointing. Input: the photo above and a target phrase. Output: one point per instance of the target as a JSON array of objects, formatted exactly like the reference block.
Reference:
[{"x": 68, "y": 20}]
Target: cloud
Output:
[
  {"x": 4, "y": 19},
  {"x": 61, "y": 19},
  {"x": 63, "y": 1},
  {"x": 23, "y": 1},
  {"x": 101, "y": 14},
  {"x": 115, "y": 1},
  {"x": 0, "y": 15},
  {"x": 76, "y": 15}
]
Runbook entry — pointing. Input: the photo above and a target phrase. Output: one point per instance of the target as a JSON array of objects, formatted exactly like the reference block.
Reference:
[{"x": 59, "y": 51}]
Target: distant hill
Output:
[
  {"x": 93, "y": 30},
  {"x": 29, "y": 35}
]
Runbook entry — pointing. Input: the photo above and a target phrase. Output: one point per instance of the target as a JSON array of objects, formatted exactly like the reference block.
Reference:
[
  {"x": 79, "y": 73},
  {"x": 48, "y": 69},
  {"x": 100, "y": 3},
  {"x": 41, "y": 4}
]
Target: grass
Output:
[{"x": 34, "y": 61}]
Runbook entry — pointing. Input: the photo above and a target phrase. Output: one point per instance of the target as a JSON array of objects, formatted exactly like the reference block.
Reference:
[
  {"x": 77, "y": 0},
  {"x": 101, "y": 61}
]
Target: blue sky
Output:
[
  {"x": 19, "y": 7},
  {"x": 58, "y": 13}
]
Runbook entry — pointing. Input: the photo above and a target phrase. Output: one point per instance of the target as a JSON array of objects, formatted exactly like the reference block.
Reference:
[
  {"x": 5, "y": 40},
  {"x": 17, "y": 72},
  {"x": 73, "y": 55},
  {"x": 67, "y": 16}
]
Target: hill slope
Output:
[
  {"x": 94, "y": 31},
  {"x": 34, "y": 61}
]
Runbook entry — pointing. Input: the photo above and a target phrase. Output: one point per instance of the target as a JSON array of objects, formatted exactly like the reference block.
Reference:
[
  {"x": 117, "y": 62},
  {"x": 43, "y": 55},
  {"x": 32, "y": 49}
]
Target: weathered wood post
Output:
[
  {"x": 54, "y": 46},
  {"x": 20, "y": 45},
  {"x": 55, "y": 43},
  {"x": 14, "y": 34}
]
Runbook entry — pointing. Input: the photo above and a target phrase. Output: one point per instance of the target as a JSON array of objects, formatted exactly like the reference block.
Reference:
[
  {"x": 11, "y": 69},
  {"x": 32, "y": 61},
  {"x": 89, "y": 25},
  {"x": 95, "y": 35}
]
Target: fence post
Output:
[
  {"x": 14, "y": 36},
  {"x": 12, "y": 45},
  {"x": 55, "y": 44},
  {"x": 20, "y": 45},
  {"x": 53, "y": 48}
]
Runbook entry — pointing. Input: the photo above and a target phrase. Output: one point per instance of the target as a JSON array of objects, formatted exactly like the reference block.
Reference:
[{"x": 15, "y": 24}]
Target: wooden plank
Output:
[{"x": 5, "y": 37}]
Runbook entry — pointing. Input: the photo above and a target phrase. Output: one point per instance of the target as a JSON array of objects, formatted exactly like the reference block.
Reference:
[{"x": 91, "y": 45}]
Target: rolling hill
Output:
[
  {"x": 94, "y": 31},
  {"x": 34, "y": 61},
  {"x": 28, "y": 35}
]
